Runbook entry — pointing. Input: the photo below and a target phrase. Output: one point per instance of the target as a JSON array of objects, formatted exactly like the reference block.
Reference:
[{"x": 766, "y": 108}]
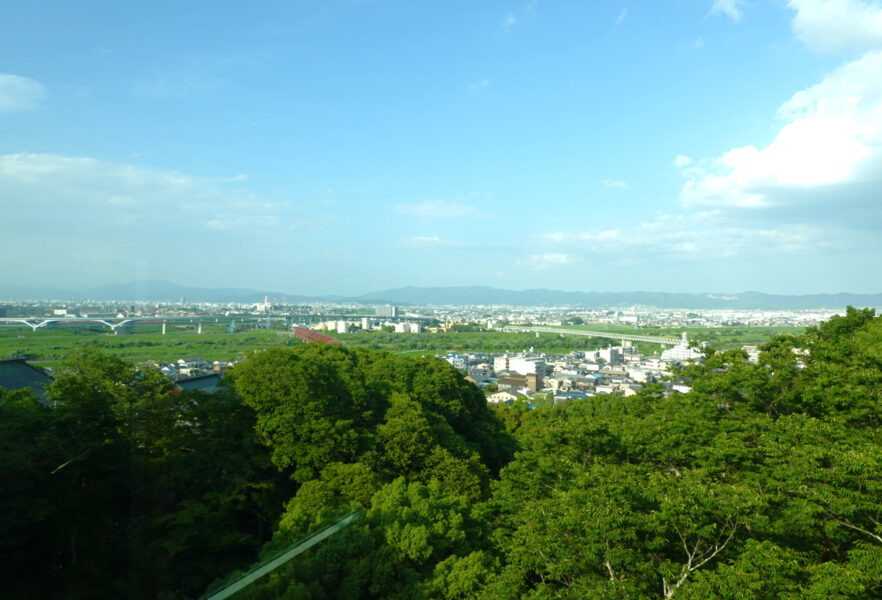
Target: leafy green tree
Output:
[
  {"x": 27, "y": 513},
  {"x": 306, "y": 413},
  {"x": 91, "y": 397},
  {"x": 416, "y": 541},
  {"x": 595, "y": 509},
  {"x": 843, "y": 370},
  {"x": 124, "y": 487},
  {"x": 827, "y": 478},
  {"x": 211, "y": 502}
]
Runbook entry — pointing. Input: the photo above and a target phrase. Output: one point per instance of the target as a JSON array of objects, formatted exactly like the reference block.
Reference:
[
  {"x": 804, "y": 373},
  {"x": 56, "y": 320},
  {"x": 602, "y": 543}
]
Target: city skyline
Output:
[
  {"x": 167, "y": 292},
  {"x": 346, "y": 147}
]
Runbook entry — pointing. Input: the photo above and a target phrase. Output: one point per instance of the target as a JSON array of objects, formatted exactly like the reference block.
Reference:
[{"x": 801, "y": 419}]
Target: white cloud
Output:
[
  {"x": 831, "y": 139},
  {"x": 426, "y": 239},
  {"x": 430, "y": 241},
  {"x": 616, "y": 184},
  {"x": 547, "y": 260},
  {"x": 623, "y": 14},
  {"x": 20, "y": 93},
  {"x": 438, "y": 209},
  {"x": 479, "y": 85},
  {"x": 701, "y": 235},
  {"x": 97, "y": 221},
  {"x": 681, "y": 160},
  {"x": 243, "y": 222},
  {"x": 835, "y": 25},
  {"x": 176, "y": 86},
  {"x": 513, "y": 18},
  {"x": 72, "y": 192},
  {"x": 730, "y": 8},
  {"x": 824, "y": 164}
]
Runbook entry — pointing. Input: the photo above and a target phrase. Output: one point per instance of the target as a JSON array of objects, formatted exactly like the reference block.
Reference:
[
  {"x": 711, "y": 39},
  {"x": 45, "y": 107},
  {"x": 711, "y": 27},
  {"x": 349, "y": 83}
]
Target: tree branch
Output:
[
  {"x": 612, "y": 574},
  {"x": 691, "y": 564},
  {"x": 718, "y": 547},
  {"x": 875, "y": 536}
]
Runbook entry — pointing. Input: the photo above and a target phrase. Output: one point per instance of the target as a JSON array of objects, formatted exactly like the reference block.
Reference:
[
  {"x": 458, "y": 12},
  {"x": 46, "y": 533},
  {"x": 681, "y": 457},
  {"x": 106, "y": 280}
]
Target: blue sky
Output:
[{"x": 352, "y": 146}]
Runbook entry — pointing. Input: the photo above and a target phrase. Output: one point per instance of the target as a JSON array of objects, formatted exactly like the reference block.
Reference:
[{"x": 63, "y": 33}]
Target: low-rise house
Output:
[
  {"x": 629, "y": 389},
  {"x": 503, "y": 397},
  {"x": 458, "y": 361},
  {"x": 567, "y": 396},
  {"x": 641, "y": 375}
]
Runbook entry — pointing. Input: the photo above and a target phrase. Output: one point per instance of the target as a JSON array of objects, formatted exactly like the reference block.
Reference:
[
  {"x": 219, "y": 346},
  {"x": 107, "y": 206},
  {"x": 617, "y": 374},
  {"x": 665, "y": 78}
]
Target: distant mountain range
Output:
[
  {"x": 148, "y": 290},
  {"x": 164, "y": 291}
]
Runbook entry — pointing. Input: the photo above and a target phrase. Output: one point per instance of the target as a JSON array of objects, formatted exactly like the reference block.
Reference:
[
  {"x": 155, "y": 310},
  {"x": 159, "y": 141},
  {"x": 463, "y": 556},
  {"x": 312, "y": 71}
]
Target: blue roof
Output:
[{"x": 571, "y": 395}]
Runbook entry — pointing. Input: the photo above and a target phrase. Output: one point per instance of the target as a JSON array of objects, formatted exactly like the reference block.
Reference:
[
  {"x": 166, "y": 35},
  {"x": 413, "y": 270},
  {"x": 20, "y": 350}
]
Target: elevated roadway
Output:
[
  {"x": 116, "y": 323},
  {"x": 647, "y": 339}
]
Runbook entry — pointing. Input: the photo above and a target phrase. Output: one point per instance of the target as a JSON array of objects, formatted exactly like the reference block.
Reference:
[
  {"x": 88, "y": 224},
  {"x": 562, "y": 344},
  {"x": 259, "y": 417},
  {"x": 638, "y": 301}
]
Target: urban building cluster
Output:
[
  {"x": 328, "y": 315},
  {"x": 368, "y": 324},
  {"x": 637, "y": 317},
  {"x": 506, "y": 377},
  {"x": 531, "y": 375},
  {"x": 185, "y": 368}
]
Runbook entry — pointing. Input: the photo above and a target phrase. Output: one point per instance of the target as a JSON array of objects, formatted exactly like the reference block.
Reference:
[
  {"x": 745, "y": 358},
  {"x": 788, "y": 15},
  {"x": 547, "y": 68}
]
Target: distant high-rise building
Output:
[
  {"x": 611, "y": 355},
  {"x": 534, "y": 382},
  {"x": 386, "y": 311}
]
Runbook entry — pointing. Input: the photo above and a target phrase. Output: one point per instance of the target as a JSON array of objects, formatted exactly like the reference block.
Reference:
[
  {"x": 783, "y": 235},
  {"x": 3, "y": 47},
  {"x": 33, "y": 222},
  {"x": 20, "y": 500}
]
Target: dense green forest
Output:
[{"x": 764, "y": 481}]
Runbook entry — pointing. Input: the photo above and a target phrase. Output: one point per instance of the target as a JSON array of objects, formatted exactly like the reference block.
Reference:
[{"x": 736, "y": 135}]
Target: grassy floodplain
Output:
[
  {"x": 496, "y": 341},
  {"x": 148, "y": 343},
  {"x": 144, "y": 343}
]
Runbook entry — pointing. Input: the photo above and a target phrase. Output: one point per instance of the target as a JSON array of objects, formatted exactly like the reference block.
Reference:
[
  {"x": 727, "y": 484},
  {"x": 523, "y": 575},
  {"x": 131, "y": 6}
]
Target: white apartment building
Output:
[
  {"x": 525, "y": 365},
  {"x": 612, "y": 356},
  {"x": 681, "y": 352}
]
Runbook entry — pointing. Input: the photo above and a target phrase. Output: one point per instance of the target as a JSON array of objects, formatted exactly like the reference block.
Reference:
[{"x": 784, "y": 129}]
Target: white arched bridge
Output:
[
  {"x": 115, "y": 324},
  {"x": 36, "y": 324}
]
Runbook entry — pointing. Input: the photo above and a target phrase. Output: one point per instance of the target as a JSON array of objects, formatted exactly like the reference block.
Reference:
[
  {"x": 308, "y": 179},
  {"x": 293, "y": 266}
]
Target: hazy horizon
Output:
[{"x": 161, "y": 288}]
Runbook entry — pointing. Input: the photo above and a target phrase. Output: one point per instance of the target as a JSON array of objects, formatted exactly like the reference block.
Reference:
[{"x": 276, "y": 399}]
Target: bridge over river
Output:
[
  {"x": 117, "y": 323},
  {"x": 648, "y": 339},
  {"x": 121, "y": 323}
]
